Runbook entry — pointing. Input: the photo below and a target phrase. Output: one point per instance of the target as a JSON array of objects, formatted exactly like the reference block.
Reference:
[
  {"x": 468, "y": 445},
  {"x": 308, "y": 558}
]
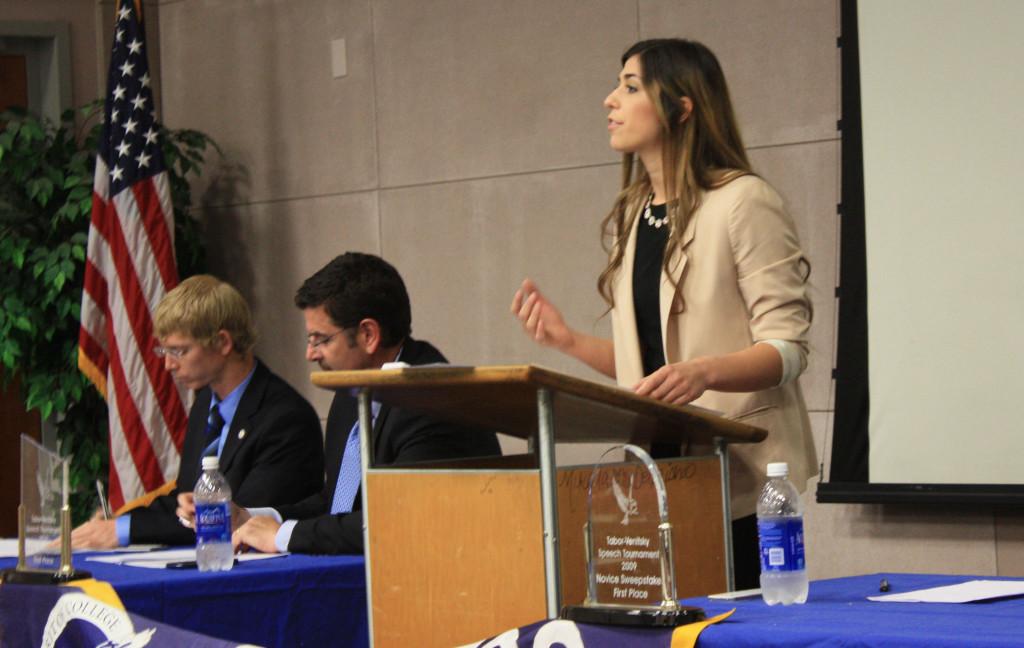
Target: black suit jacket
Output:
[
  {"x": 399, "y": 436},
  {"x": 273, "y": 455}
]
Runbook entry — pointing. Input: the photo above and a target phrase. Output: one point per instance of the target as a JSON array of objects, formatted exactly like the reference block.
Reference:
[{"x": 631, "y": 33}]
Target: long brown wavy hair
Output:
[{"x": 699, "y": 153}]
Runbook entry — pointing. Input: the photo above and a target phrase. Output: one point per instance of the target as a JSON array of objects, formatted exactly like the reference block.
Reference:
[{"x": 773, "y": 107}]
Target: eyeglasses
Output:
[
  {"x": 317, "y": 341},
  {"x": 175, "y": 352}
]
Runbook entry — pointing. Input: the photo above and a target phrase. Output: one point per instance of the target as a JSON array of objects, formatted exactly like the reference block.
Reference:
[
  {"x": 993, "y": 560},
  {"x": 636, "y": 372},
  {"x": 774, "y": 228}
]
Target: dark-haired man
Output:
[{"x": 357, "y": 316}]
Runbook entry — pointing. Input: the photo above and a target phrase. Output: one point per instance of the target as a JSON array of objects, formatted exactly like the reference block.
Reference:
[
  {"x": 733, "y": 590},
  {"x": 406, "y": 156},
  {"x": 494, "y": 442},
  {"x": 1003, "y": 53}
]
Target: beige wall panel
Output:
[
  {"x": 807, "y": 177},
  {"x": 257, "y": 78},
  {"x": 821, "y": 428},
  {"x": 81, "y": 16},
  {"x": 471, "y": 88},
  {"x": 464, "y": 248},
  {"x": 851, "y": 539},
  {"x": 1010, "y": 541},
  {"x": 780, "y": 60},
  {"x": 268, "y": 250}
]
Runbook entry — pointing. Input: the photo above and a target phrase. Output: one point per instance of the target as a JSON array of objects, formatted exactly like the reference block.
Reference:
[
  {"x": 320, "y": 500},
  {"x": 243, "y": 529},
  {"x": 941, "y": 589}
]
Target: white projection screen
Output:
[
  {"x": 942, "y": 101},
  {"x": 942, "y": 127}
]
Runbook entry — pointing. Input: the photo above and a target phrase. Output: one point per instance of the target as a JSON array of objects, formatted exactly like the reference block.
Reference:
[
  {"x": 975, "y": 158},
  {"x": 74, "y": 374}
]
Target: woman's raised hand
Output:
[{"x": 541, "y": 320}]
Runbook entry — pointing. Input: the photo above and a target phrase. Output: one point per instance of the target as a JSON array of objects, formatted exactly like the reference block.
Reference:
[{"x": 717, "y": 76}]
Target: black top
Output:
[{"x": 650, "y": 251}]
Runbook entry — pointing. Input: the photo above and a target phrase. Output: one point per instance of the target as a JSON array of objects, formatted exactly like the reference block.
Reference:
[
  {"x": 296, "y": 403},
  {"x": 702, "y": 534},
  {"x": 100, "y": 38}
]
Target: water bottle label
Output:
[
  {"x": 782, "y": 544},
  {"x": 213, "y": 523}
]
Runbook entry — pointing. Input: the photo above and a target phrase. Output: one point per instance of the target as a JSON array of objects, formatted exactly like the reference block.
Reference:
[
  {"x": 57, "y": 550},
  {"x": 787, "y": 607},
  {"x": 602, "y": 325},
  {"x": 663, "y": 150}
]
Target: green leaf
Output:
[
  {"x": 30, "y": 130},
  {"x": 80, "y": 192},
  {"x": 85, "y": 206},
  {"x": 77, "y": 252},
  {"x": 23, "y": 323}
]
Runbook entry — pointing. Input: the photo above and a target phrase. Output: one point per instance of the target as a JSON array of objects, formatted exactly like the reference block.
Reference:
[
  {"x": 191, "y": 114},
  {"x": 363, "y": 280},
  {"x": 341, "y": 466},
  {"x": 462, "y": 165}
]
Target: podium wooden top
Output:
[{"x": 504, "y": 398}]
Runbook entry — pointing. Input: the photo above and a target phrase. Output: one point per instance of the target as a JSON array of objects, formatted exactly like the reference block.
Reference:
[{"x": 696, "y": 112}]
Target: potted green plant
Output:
[{"x": 46, "y": 176}]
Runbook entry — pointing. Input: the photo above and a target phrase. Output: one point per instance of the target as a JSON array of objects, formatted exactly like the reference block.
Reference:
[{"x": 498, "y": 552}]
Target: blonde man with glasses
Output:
[{"x": 266, "y": 435}]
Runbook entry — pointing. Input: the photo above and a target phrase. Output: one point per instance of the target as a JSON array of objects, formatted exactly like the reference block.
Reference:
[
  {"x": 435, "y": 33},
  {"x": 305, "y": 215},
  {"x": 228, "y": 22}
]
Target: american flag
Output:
[{"x": 130, "y": 266}]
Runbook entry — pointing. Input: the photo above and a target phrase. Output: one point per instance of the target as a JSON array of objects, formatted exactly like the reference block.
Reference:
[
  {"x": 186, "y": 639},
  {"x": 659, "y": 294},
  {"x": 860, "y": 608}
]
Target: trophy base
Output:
[
  {"x": 17, "y": 577},
  {"x": 625, "y": 616}
]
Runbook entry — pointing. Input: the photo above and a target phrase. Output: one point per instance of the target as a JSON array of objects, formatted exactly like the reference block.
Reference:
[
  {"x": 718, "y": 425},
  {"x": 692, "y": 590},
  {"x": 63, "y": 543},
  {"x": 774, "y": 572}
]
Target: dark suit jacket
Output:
[
  {"x": 278, "y": 460},
  {"x": 399, "y": 436}
]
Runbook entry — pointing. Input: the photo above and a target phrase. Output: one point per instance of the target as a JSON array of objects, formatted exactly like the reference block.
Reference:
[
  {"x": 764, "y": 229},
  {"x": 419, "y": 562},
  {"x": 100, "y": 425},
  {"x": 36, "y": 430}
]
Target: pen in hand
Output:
[{"x": 104, "y": 504}]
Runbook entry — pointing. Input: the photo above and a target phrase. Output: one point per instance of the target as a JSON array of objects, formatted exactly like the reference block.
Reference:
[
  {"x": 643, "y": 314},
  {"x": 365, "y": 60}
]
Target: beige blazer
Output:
[{"x": 741, "y": 283}]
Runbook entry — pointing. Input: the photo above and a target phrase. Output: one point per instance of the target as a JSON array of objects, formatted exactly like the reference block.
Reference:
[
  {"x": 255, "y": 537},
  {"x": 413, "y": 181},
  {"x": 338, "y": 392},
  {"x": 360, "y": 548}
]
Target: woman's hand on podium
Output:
[{"x": 678, "y": 383}]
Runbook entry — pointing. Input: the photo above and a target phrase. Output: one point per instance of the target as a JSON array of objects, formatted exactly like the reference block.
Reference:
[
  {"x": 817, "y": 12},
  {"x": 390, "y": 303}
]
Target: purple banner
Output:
[
  {"x": 566, "y": 634},
  {"x": 63, "y": 617}
]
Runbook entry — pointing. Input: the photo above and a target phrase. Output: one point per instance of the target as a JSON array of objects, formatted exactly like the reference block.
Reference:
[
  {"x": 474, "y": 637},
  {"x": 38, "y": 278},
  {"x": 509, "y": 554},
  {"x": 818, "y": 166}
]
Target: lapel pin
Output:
[{"x": 241, "y": 434}]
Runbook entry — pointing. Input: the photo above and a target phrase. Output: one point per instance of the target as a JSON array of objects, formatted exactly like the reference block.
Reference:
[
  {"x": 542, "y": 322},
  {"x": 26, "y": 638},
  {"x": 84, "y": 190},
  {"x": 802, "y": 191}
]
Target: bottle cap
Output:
[
  {"x": 213, "y": 463},
  {"x": 779, "y": 469}
]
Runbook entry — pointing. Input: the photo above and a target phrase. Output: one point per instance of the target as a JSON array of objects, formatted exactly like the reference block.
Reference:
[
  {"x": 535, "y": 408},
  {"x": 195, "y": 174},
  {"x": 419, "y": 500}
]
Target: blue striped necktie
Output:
[
  {"x": 214, "y": 425},
  {"x": 349, "y": 475}
]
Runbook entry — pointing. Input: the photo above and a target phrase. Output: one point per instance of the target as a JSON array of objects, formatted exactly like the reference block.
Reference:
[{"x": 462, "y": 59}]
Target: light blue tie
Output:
[{"x": 348, "y": 475}]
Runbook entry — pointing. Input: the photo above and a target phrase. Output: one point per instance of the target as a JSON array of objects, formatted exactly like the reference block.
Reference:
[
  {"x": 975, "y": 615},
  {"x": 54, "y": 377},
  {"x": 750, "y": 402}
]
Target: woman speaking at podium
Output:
[{"x": 706, "y": 280}]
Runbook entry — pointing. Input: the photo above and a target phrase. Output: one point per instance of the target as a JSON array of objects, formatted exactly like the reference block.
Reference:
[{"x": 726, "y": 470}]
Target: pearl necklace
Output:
[{"x": 651, "y": 220}]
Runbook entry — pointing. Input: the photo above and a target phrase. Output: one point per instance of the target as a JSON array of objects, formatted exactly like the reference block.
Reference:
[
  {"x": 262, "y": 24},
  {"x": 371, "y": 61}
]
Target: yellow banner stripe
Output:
[
  {"x": 92, "y": 372},
  {"x": 99, "y": 590},
  {"x": 686, "y": 636}
]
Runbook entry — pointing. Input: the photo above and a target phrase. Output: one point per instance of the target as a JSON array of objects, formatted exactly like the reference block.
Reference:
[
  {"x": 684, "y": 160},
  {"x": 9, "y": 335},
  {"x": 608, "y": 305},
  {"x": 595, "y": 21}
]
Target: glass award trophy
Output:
[
  {"x": 44, "y": 519},
  {"x": 628, "y": 539}
]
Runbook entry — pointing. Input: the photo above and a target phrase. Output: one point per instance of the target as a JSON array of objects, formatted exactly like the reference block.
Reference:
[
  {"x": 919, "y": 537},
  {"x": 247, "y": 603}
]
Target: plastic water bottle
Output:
[
  {"x": 780, "y": 529},
  {"x": 213, "y": 519}
]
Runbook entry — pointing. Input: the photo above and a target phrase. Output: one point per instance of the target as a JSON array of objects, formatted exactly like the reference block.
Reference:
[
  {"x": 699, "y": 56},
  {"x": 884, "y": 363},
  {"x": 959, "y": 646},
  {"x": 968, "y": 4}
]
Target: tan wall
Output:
[{"x": 467, "y": 145}]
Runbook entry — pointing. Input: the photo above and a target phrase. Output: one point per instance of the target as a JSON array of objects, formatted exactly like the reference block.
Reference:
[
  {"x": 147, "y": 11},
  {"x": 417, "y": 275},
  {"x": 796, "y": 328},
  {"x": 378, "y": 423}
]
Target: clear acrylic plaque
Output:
[
  {"x": 43, "y": 495},
  {"x": 44, "y": 519},
  {"x": 628, "y": 538}
]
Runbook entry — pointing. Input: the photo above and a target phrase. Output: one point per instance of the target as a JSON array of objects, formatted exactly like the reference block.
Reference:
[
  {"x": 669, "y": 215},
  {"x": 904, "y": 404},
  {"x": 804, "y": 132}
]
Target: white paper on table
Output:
[
  {"x": 160, "y": 559},
  {"x": 8, "y": 547},
  {"x": 975, "y": 590}
]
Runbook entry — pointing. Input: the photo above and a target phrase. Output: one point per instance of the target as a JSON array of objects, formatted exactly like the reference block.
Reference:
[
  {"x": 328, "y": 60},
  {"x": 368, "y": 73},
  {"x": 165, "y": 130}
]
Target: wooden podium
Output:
[{"x": 461, "y": 550}]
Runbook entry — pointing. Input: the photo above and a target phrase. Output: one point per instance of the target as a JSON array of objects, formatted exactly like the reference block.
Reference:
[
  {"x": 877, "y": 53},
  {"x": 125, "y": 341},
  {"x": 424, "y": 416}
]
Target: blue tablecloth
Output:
[
  {"x": 289, "y": 601},
  {"x": 837, "y": 614}
]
